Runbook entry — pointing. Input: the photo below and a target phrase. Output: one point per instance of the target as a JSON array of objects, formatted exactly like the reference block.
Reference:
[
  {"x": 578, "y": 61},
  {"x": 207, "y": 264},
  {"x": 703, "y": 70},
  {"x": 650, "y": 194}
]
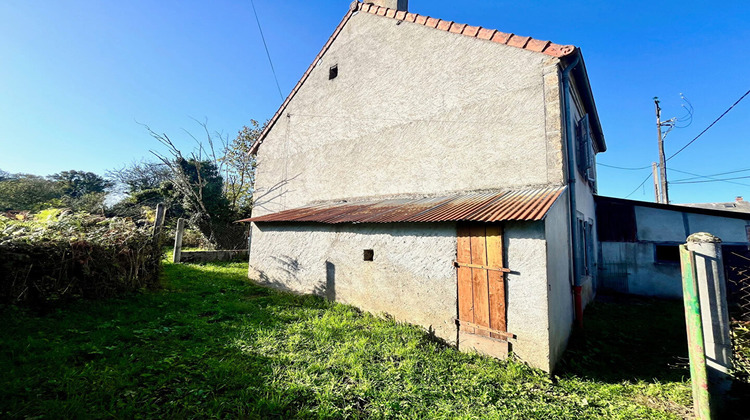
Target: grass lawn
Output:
[{"x": 212, "y": 344}]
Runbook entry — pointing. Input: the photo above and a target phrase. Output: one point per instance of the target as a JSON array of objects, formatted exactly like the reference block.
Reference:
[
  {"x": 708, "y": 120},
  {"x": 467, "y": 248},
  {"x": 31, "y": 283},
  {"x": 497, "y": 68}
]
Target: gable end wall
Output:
[{"x": 413, "y": 111}]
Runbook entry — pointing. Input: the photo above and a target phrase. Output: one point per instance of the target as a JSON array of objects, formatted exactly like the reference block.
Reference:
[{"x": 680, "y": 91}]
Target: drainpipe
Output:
[{"x": 570, "y": 139}]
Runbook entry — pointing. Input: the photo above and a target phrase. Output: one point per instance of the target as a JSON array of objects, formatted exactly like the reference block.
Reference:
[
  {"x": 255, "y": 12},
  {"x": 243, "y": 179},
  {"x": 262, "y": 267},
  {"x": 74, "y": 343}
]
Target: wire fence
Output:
[{"x": 737, "y": 267}]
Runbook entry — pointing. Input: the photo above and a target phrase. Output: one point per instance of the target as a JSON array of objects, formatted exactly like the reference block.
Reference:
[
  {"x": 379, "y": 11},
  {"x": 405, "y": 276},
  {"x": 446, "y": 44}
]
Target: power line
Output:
[
  {"x": 623, "y": 168},
  {"x": 709, "y": 177},
  {"x": 710, "y": 180},
  {"x": 639, "y": 186},
  {"x": 267, "y": 53},
  {"x": 711, "y": 125}
]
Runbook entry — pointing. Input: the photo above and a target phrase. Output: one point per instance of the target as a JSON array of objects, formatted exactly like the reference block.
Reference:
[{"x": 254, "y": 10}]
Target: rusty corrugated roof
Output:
[{"x": 528, "y": 204}]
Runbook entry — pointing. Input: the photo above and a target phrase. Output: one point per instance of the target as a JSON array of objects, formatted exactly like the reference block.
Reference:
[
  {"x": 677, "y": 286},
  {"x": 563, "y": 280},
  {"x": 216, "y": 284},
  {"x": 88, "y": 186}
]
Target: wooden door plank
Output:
[
  {"x": 479, "y": 278},
  {"x": 465, "y": 293},
  {"x": 496, "y": 279}
]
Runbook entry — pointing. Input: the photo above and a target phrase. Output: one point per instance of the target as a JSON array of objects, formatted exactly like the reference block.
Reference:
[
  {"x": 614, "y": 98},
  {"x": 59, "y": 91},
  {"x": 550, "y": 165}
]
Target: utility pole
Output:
[
  {"x": 662, "y": 161},
  {"x": 657, "y": 193}
]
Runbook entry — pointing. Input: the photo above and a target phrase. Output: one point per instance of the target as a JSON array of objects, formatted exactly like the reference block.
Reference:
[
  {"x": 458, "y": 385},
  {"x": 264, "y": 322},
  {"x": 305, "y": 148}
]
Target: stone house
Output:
[{"x": 438, "y": 172}]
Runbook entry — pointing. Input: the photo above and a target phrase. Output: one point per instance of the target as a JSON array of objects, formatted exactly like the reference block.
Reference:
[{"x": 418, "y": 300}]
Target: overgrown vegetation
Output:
[
  {"x": 211, "y": 344},
  {"x": 213, "y": 183},
  {"x": 57, "y": 255}
]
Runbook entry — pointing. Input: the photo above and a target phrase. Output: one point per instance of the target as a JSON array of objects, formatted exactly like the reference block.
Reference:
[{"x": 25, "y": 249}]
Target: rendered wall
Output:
[
  {"x": 413, "y": 111},
  {"x": 560, "y": 293},
  {"x": 634, "y": 263},
  {"x": 411, "y": 277}
]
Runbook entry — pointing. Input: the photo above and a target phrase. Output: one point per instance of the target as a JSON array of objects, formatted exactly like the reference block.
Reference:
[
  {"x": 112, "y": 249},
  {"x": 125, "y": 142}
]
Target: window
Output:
[
  {"x": 369, "y": 255},
  {"x": 585, "y": 158},
  {"x": 586, "y": 247},
  {"x": 667, "y": 253},
  {"x": 333, "y": 72}
]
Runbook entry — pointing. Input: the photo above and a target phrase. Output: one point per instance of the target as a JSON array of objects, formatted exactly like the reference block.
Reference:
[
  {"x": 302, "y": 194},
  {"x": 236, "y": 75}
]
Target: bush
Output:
[{"x": 57, "y": 255}]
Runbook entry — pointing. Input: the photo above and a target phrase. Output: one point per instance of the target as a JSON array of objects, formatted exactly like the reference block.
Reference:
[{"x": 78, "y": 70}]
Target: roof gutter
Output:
[{"x": 573, "y": 210}]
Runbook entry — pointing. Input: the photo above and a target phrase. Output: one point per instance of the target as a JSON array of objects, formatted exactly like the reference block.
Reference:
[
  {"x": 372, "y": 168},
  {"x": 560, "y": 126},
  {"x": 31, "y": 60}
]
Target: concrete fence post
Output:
[
  {"x": 712, "y": 292},
  {"x": 178, "y": 240}
]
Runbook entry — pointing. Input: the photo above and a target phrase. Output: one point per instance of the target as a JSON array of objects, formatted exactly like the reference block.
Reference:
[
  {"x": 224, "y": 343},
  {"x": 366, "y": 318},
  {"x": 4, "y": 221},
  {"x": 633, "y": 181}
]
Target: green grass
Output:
[{"x": 212, "y": 344}]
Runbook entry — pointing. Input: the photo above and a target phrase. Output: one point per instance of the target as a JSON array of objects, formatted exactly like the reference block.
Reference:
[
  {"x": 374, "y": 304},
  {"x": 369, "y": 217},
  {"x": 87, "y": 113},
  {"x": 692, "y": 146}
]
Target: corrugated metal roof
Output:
[{"x": 529, "y": 204}]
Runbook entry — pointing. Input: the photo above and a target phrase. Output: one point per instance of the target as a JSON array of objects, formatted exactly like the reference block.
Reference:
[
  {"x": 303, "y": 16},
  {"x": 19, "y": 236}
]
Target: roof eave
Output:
[{"x": 587, "y": 96}]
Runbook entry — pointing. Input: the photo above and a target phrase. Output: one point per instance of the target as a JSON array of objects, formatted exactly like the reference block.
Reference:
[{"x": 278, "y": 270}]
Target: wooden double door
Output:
[{"x": 481, "y": 281}]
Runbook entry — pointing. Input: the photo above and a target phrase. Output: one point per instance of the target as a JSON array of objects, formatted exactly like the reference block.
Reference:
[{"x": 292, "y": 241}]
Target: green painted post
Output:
[{"x": 698, "y": 375}]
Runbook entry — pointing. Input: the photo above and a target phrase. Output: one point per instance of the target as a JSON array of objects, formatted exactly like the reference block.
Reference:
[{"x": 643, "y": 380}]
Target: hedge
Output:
[{"x": 57, "y": 255}]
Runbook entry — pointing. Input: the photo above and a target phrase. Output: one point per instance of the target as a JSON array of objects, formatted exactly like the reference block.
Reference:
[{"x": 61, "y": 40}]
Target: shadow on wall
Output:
[
  {"x": 330, "y": 292},
  {"x": 291, "y": 267},
  {"x": 267, "y": 196}
]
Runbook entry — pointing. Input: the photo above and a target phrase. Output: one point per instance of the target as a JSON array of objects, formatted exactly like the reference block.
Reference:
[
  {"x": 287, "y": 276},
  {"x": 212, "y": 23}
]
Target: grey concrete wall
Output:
[
  {"x": 206, "y": 256},
  {"x": 634, "y": 262},
  {"x": 414, "y": 110},
  {"x": 526, "y": 292},
  {"x": 585, "y": 204},
  {"x": 559, "y": 295},
  {"x": 411, "y": 277}
]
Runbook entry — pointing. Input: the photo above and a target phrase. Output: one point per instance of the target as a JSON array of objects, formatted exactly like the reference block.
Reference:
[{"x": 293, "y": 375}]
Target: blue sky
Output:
[{"x": 77, "y": 77}]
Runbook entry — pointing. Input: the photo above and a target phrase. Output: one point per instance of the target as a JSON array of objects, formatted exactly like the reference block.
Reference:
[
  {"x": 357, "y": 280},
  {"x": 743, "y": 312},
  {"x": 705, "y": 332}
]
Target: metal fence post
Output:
[
  {"x": 698, "y": 375},
  {"x": 712, "y": 291}
]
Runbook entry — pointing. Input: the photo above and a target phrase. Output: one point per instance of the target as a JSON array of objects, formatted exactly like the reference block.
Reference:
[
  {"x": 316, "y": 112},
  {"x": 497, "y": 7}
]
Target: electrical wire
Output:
[
  {"x": 711, "y": 125},
  {"x": 262, "y": 37},
  {"x": 706, "y": 177},
  {"x": 623, "y": 168},
  {"x": 639, "y": 186},
  {"x": 709, "y": 180}
]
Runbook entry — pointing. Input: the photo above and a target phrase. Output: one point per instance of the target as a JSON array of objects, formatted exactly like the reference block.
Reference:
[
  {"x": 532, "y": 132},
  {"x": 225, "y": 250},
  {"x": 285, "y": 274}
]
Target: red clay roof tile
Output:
[
  {"x": 457, "y": 28},
  {"x": 501, "y": 37},
  {"x": 537, "y": 45},
  {"x": 545, "y": 47},
  {"x": 401, "y": 14},
  {"x": 485, "y": 33},
  {"x": 471, "y": 30},
  {"x": 518, "y": 41}
]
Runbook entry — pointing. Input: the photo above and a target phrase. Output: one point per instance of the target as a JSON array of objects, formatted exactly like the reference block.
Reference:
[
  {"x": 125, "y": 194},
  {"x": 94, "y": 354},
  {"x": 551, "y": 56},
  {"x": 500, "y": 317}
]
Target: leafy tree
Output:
[
  {"x": 239, "y": 168},
  {"x": 76, "y": 184},
  {"x": 28, "y": 192},
  {"x": 140, "y": 176}
]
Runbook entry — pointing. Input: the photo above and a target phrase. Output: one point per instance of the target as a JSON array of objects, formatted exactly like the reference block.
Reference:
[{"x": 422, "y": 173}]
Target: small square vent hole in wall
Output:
[
  {"x": 333, "y": 72},
  {"x": 369, "y": 255}
]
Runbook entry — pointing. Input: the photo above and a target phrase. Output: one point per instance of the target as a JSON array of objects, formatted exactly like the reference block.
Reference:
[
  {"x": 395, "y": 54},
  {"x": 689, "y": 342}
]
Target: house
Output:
[
  {"x": 438, "y": 172},
  {"x": 638, "y": 243},
  {"x": 739, "y": 204}
]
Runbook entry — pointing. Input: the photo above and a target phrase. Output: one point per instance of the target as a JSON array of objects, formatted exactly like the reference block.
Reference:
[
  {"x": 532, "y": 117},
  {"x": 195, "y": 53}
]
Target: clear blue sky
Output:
[{"x": 77, "y": 76}]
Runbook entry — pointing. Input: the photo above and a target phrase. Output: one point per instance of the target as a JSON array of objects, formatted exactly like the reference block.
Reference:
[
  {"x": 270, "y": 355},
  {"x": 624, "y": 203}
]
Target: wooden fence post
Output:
[
  {"x": 696, "y": 351},
  {"x": 178, "y": 241},
  {"x": 158, "y": 221}
]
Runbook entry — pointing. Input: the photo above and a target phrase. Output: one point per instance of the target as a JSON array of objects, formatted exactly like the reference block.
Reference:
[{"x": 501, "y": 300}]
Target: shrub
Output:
[{"x": 57, "y": 255}]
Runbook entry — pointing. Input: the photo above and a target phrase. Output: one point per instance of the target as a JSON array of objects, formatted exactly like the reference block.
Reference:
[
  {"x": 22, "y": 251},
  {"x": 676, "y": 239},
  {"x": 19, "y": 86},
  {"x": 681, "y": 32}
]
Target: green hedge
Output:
[{"x": 57, "y": 255}]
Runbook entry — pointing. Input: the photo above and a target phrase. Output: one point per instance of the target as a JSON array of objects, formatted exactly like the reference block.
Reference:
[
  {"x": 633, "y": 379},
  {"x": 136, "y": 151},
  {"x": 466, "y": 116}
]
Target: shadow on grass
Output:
[
  {"x": 190, "y": 349},
  {"x": 629, "y": 338}
]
